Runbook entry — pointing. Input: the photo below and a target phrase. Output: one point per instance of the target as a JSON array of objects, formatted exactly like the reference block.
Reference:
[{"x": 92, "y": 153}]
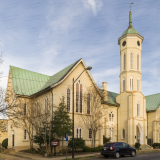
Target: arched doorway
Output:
[{"x": 139, "y": 134}]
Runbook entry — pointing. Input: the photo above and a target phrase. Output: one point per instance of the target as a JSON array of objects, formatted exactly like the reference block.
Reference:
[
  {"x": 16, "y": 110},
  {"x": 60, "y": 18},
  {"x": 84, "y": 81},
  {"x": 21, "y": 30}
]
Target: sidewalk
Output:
[{"x": 22, "y": 155}]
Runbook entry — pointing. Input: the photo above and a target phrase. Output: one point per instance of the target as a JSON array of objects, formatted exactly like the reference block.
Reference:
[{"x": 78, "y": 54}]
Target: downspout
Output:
[
  {"x": 117, "y": 124},
  {"x": 147, "y": 127},
  {"x": 52, "y": 116}
]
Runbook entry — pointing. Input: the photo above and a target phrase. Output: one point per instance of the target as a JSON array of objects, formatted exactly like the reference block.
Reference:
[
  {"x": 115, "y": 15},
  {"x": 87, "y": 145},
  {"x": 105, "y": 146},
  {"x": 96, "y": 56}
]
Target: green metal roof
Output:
[
  {"x": 28, "y": 83},
  {"x": 58, "y": 76},
  {"x": 152, "y": 102},
  {"x": 130, "y": 29}
]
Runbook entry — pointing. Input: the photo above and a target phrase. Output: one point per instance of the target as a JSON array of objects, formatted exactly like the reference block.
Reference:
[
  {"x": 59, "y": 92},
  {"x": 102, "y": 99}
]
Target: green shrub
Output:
[
  {"x": 105, "y": 139},
  {"x": 156, "y": 145},
  {"x": 5, "y": 143},
  {"x": 42, "y": 152},
  {"x": 32, "y": 150},
  {"x": 137, "y": 145},
  {"x": 79, "y": 143},
  {"x": 89, "y": 149}
]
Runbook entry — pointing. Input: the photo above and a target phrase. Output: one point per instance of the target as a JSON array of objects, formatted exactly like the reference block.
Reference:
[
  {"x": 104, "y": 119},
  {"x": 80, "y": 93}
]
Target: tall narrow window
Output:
[
  {"x": 131, "y": 60},
  {"x": 79, "y": 97},
  {"x": 124, "y": 84},
  {"x": 138, "y": 62},
  {"x": 124, "y": 62},
  {"x": 25, "y": 134},
  {"x": 131, "y": 84},
  {"x": 88, "y": 103},
  {"x": 25, "y": 109},
  {"x": 111, "y": 117},
  {"x": 112, "y": 134},
  {"x": 90, "y": 133},
  {"x": 46, "y": 105},
  {"x": 138, "y": 110},
  {"x": 79, "y": 132},
  {"x": 35, "y": 109},
  {"x": 123, "y": 134},
  {"x": 68, "y": 100},
  {"x": 138, "y": 84}
]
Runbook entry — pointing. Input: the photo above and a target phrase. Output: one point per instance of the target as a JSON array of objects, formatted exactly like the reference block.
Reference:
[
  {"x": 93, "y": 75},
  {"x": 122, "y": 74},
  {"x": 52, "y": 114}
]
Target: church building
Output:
[{"x": 128, "y": 116}]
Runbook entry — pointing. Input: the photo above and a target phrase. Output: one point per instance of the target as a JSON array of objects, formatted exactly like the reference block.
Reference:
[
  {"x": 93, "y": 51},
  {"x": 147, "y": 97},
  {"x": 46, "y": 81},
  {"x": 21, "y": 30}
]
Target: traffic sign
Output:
[{"x": 67, "y": 137}]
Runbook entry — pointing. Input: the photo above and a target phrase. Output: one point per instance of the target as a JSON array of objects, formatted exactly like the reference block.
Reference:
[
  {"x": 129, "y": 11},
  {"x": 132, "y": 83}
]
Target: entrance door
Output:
[
  {"x": 138, "y": 135},
  {"x": 12, "y": 139}
]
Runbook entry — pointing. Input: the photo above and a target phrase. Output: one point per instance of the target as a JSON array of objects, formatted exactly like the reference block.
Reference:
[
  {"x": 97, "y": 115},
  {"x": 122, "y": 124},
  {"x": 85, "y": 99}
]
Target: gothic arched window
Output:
[
  {"x": 111, "y": 117},
  {"x": 79, "y": 97},
  {"x": 88, "y": 103},
  {"x": 124, "y": 84},
  {"x": 131, "y": 60},
  {"x": 131, "y": 84},
  {"x": 68, "y": 99},
  {"x": 79, "y": 132},
  {"x": 138, "y": 110},
  {"x": 138, "y": 84},
  {"x": 90, "y": 133},
  {"x": 123, "y": 133}
]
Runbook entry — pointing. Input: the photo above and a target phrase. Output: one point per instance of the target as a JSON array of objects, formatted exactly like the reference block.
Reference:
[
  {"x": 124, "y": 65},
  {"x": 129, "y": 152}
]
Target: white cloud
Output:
[{"x": 94, "y": 5}]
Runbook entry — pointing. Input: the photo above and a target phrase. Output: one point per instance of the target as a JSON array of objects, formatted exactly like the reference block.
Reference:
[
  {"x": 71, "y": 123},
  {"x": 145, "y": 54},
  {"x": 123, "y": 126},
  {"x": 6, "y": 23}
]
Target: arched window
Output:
[
  {"x": 88, "y": 103},
  {"x": 124, "y": 62},
  {"x": 138, "y": 110},
  {"x": 131, "y": 60},
  {"x": 123, "y": 133},
  {"x": 68, "y": 99},
  {"x": 25, "y": 109},
  {"x": 35, "y": 108},
  {"x": 79, "y": 97},
  {"x": 112, "y": 134},
  {"x": 111, "y": 117},
  {"x": 90, "y": 133},
  {"x": 124, "y": 84},
  {"x": 138, "y": 84},
  {"x": 46, "y": 105},
  {"x": 131, "y": 84},
  {"x": 25, "y": 134},
  {"x": 79, "y": 132},
  {"x": 138, "y": 62}
]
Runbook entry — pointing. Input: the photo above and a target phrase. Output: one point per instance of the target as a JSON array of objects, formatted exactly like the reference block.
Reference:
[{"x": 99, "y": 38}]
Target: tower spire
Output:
[{"x": 130, "y": 19}]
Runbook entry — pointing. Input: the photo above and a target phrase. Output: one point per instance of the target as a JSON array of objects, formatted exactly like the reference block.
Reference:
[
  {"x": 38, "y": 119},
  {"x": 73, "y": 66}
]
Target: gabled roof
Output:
[
  {"x": 27, "y": 83},
  {"x": 152, "y": 102}
]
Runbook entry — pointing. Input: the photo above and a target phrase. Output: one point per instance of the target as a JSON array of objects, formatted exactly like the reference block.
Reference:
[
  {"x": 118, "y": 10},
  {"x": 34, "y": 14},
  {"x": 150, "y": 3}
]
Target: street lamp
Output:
[{"x": 88, "y": 68}]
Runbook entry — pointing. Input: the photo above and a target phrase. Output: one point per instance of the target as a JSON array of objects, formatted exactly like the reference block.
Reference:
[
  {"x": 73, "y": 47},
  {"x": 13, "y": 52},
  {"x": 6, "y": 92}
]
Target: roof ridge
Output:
[
  {"x": 152, "y": 94},
  {"x": 30, "y": 71}
]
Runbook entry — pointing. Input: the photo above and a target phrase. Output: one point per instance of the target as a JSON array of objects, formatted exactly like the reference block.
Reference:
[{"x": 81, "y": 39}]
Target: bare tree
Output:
[
  {"x": 93, "y": 117},
  {"x": 42, "y": 123}
]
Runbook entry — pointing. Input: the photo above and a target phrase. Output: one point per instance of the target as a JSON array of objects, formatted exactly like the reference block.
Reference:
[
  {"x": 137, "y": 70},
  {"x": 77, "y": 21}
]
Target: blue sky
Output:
[{"x": 45, "y": 36}]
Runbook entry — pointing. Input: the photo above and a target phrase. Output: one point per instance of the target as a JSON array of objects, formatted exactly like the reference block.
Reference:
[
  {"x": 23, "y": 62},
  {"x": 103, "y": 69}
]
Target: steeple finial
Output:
[{"x": 130, "y": 17}]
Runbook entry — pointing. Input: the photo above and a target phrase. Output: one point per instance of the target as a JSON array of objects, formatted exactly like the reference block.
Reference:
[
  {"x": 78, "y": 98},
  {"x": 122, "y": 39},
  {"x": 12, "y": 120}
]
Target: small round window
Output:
[{"x": 124, "y": 43}]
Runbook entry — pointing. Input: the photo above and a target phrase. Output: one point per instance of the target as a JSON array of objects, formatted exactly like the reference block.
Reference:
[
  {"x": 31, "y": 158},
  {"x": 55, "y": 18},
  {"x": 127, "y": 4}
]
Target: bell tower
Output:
[
  {"x": 130, "y": 51},
  {"x": 132, "y": 111}
]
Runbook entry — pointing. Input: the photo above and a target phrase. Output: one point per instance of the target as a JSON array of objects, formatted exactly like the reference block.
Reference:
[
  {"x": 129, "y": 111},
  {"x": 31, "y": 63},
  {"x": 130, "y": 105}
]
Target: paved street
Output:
[
  {"x": 143, "y": 156},
  {"x": 20, "y": 156}
]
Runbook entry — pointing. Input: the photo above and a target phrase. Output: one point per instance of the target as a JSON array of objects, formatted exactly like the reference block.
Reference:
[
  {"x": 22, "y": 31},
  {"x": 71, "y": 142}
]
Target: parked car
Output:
[{"x": 117, "y": 149}]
